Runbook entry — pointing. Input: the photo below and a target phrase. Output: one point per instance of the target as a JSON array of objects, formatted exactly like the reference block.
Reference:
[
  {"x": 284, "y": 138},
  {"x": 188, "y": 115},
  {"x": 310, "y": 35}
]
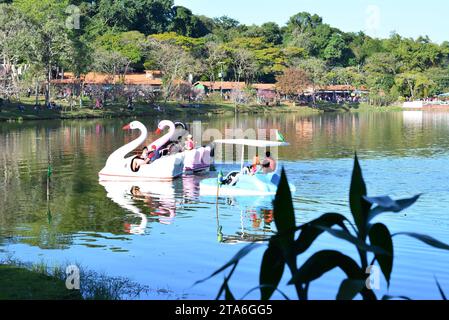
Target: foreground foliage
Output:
[{"x": 372, "y": 240}]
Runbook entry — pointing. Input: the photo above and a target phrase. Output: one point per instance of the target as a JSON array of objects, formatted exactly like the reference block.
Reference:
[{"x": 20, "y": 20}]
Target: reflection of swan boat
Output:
[
  {"x": 159, "y": 194},
  {"x": 119, "y": 167},
  {"x": 241, "y": 183}
]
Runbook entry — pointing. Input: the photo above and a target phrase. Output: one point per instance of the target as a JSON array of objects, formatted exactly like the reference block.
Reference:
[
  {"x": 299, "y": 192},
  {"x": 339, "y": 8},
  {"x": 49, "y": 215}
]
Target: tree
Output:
[
  {"x": 363, "y": 47},
  {"x": 346, "y": 76},
  {"x": 334, "y": 49},
  {"x": 14, "y": 37},
  {"x": 416, "y": 55},
  {"x": 187, "y": 24},
  {"x": 49, "y": 43},
  {"x": 244, "y": 65},
  {"x": 226, "y": 23},
  {"x": 112, "y": 63},
  {"x": 192, "y": 45},
  {"x": 225, "y": 28},
  {"x": 215, "y": 58},
  {"x": 269, "y": 31},
  {"x": 316, "y": 72},
  {"x": 146, "y": 16},
  {"x": 303, "y": 22},
  {"x": 293, "y": 82},
  {"x": 175, "y": 63},
  {"x": 414, "y": 85},
  {"x": 440, "y": 78},
  {"x": 130, "y": 45},
  {"x": 380, "y": 71}
]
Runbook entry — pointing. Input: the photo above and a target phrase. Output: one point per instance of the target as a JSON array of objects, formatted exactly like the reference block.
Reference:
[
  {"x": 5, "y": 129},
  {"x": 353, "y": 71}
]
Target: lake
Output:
[{"x": 171, "y": 238}]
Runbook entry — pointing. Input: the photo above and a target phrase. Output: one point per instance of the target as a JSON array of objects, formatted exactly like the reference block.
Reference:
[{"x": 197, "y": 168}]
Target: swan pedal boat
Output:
[
  {"x": 119, "y": 167},
  {"x": 258, "y": 184},
  {"x": 197, "y": 160}
]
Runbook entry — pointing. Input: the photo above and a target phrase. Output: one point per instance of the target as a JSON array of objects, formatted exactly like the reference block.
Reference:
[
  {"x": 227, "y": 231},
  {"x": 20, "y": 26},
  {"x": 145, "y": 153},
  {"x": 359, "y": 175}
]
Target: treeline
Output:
[{"x": 39, "y": 39}]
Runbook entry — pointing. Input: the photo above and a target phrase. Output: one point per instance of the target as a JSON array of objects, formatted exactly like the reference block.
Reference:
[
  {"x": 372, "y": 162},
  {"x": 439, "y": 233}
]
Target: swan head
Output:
[
  {"x": 164, "y": 124},
  {"x": 133, "y": 125}
]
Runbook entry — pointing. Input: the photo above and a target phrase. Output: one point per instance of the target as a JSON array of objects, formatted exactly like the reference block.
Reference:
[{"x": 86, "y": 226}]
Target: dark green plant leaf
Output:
[
  {"x": 359, "y": 207},
  {"x": 443, "y": 296},
  {"x": 224, "y": 287},
  {"x": 324, "y": 261},
  {"x": 380, "y": 236},
  {"x": 283, "y": 212},
  {"x": 424, "y": 238},
  {"x": 386, "y": 204},
  {"x": 259, "y": 287},
  {"x": 309, "y": 232},
  {"x": 228, "y": 294},
  {"x": 345, "y": 235},
  {"x": 243, "y": 252},
  {"x": 271, "y": 271},
  {"x": 387, "y": 297},
  {"x": 349, "y": 288}
]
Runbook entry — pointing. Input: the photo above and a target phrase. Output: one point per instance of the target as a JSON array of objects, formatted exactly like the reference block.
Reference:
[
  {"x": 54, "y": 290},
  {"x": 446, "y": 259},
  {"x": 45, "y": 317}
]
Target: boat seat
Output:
[
  {"x": 275, "y": 179},
  {"x": 231, "y": 178}
]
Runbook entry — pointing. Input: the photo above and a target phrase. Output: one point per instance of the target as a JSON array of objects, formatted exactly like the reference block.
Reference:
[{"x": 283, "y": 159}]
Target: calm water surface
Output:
[{"x": 166, "y": 237}]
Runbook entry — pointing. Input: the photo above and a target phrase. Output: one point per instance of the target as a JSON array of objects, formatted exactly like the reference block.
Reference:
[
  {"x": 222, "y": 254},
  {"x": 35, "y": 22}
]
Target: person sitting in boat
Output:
[
  {"x": 268, "y": 164},
  {"x": 143, "y": 159},
  {"x": 254, "y": 167},
  {"x": 189, "y": 144}
]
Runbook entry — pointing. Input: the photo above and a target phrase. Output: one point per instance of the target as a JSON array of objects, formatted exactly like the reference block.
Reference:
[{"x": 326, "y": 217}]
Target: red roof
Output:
[{"x": 99, "y": 78}]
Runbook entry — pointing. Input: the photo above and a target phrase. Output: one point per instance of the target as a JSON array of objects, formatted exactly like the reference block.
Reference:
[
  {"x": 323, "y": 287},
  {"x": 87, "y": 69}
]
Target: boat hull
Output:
[
  {"x": 163, "y": 169},
  {"x": 247, "y": 185},
  {"x": 198, "y": 160}
]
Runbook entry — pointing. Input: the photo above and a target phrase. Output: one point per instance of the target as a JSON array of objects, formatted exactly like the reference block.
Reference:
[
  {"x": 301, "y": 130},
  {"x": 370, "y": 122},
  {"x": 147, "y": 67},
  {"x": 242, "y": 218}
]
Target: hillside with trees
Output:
[{"x": 39, "y": 39}]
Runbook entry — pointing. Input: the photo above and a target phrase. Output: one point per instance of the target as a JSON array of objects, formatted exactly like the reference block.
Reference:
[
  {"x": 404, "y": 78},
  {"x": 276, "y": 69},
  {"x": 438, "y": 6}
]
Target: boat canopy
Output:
[{"x": 253, "y": 143}]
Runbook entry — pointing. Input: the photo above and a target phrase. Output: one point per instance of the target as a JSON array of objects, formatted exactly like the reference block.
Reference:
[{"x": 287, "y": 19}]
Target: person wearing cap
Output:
[{"x": 189, "y": 144}]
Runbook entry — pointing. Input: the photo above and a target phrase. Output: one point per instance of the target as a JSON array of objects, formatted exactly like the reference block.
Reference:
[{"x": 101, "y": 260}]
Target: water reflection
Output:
[
  {"x": 154, "y": 201},
  {"x": 255, "y": 221},
  {"x": 402, "y": 153}
]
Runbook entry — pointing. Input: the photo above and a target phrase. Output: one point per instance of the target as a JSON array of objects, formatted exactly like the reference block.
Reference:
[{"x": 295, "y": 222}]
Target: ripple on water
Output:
[{"x": 170, "y": 243}]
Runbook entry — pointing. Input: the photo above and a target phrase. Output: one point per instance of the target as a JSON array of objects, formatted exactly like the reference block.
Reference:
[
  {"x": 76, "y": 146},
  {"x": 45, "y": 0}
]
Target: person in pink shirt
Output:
[
  {"x": 269, "y": 164},
  {"x": 189, "y": 144}
]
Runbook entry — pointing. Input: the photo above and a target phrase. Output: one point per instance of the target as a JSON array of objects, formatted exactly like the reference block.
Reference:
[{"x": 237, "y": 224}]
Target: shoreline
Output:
[{"x": 11, "y": 113}]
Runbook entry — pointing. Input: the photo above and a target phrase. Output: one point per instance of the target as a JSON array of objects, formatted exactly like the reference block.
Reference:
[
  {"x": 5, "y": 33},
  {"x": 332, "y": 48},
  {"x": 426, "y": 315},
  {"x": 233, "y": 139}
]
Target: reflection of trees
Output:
[
  {"x": 339, "y": 134},
  {"x": 78, "y": 150}
]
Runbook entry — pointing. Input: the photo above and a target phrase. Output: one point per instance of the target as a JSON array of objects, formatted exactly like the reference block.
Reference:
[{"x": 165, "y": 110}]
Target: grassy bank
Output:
[
  {"x": 364, "y": 107},
  {"x": 39, "y": 281},
  {"x": 11, "y": 111},
  {"x": 18, "y": 283},
  {"x": 355, "y": 107}
]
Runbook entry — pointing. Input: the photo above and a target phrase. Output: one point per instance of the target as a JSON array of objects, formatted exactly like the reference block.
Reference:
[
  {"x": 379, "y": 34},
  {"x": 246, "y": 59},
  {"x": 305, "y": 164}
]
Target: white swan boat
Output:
[
  {"x": 196, "y": 160},
  {"x": 119, "y": 165}
]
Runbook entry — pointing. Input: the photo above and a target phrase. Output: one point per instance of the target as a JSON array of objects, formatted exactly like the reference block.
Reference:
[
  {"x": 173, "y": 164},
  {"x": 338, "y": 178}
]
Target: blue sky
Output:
[{"x": 410, "y": 18}]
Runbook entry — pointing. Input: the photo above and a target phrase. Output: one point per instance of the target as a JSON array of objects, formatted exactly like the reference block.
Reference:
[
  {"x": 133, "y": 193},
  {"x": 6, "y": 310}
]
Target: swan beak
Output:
[
  {"x": 127, "y": 127},
  {"x": 158, "y": 131}
]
